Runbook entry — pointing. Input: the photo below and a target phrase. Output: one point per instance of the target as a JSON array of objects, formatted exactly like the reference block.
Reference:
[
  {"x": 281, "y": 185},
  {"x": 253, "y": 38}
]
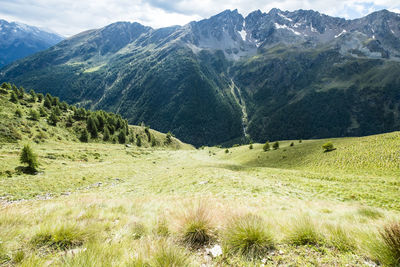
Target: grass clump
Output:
[
  {"x": 161, "y": 228},
  {"x": 196, "y": 228},
  {"x": 387, "y": 247},
  {"x": 167, "y": 255},
  {"x": 304, "y": 232},
  {"x": 248, "y": 236},
  {"x": 341, "y": 239},
  {"x": 61, "y": 237},
  {"x": 138, "y": 230}
]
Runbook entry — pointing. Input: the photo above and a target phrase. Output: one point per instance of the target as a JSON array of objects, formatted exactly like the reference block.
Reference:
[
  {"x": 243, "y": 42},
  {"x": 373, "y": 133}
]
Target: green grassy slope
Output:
[
  {"x": 376, "y": 155},
  {"x": 105, "y": 204}
]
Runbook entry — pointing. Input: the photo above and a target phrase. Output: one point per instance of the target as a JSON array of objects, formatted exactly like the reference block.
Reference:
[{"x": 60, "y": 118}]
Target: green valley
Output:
[{"x": 111, "y": 203}]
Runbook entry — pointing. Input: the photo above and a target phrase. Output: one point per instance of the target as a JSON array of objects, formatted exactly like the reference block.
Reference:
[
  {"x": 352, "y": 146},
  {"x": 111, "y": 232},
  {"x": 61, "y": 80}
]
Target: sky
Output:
[{"x": 69, "y": 17}]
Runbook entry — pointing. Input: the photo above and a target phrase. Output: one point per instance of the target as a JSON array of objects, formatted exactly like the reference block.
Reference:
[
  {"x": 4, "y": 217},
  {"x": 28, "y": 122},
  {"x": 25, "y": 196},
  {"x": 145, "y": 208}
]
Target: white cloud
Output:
[{"x": 69, "y": 17}]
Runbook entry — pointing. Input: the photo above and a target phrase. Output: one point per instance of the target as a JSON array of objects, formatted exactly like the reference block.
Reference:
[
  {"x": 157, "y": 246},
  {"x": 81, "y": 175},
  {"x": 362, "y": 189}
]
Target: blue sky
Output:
[{"x": 69, "y": 17}]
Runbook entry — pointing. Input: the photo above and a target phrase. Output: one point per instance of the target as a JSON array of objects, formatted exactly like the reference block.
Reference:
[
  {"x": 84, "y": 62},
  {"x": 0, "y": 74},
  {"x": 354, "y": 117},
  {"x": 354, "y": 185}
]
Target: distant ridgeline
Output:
[{"x": 39, "y": 117}]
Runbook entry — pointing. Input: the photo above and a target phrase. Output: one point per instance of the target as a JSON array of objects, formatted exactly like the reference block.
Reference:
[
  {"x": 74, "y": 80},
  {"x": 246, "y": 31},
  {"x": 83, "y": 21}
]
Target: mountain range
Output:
[
  {"x": 19, "y": 40},
  {"x": 229, "y": 78}
]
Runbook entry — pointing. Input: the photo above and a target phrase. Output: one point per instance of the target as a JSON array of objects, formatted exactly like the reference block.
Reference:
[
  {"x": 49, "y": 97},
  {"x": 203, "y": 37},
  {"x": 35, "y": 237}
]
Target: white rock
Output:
[{"x": 215, "y": 251}]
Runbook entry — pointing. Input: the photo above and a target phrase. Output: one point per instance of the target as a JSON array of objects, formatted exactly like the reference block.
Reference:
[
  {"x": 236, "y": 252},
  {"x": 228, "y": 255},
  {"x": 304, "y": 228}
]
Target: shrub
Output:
[
  {"x": 304, "y": 232},
  {"x": 18, "y": 113},
  {"x": 226, "y": 151},
  {"x": 291, "y": 144},
  {"x": 247, "y": 236},
  {"x": 196, "y": 228},
  {"x": 34, "y": 115},
  {"x": 251, "y": 146},
  {"x": 276, "y": 145},
  {"x": 28, "y": 157},
  {"x": 266, "y": 146},
  {"x": 167, "y": 255},
  {"x": 300, "y": 141},
  {"x": 327, "y": 147}
]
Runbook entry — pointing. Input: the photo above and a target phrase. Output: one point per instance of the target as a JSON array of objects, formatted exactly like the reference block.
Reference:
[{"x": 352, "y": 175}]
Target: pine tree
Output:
[
  {"x": 28, "y": 157},
  {"x": 18, "y": 113},
  {"x": 53, "y": 119},
  {"x": 276, "y": 145},
  {"x": 84, "y": 136},
  {"x": 21, "y": 92},
  {"x": 266, "y": 146},
  {"x": 91, "y": 127},
  {"x": 40, "y": 97},
  {"x": 42, "y": 112},
  {"x": 138, "y": 140},
  {"x": 47, "y": 102},
  {"x": 168, "y": 138},
  {"x": 56, "y": 110},
  {"x": 55, "y": 101},
  {"x": 122, "y": 137},
  {"x": 106, "y": 135},
  {"x": 13, "y": 97},
  {"x": 33, "y": 95}
]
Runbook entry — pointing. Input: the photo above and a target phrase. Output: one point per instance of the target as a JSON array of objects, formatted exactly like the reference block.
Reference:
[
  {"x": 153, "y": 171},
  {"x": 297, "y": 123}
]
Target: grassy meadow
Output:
[
  {"x": 97, "y": 204},
  {"x": 159, "y": 202}
]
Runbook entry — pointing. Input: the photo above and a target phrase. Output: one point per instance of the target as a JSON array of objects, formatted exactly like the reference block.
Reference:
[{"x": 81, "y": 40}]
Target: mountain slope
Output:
[
  {"x": 276, "y": 75},
  {"x": 18, "y": 40}
]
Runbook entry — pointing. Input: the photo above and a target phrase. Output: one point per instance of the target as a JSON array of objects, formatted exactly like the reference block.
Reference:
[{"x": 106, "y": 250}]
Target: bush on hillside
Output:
[
  {"x": 168, "y": 138},
  {"x": 106, "y": 135},
  {"x": 29, "y": 157},
  {"x": 327, "y": 147},
  {"x": 53, "y": 119},
  {"x": 13, "y": 97},
  {"x": 122, "y": 137},
  {"x": 276, "y": 145},
  {"x": 266, "y": 146},
  {"x": 84, "y": 136},
  {"x": 34, "y": 115},
  {"x": 138, "y": 140},
  {"x": 18, "y": 113}
]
